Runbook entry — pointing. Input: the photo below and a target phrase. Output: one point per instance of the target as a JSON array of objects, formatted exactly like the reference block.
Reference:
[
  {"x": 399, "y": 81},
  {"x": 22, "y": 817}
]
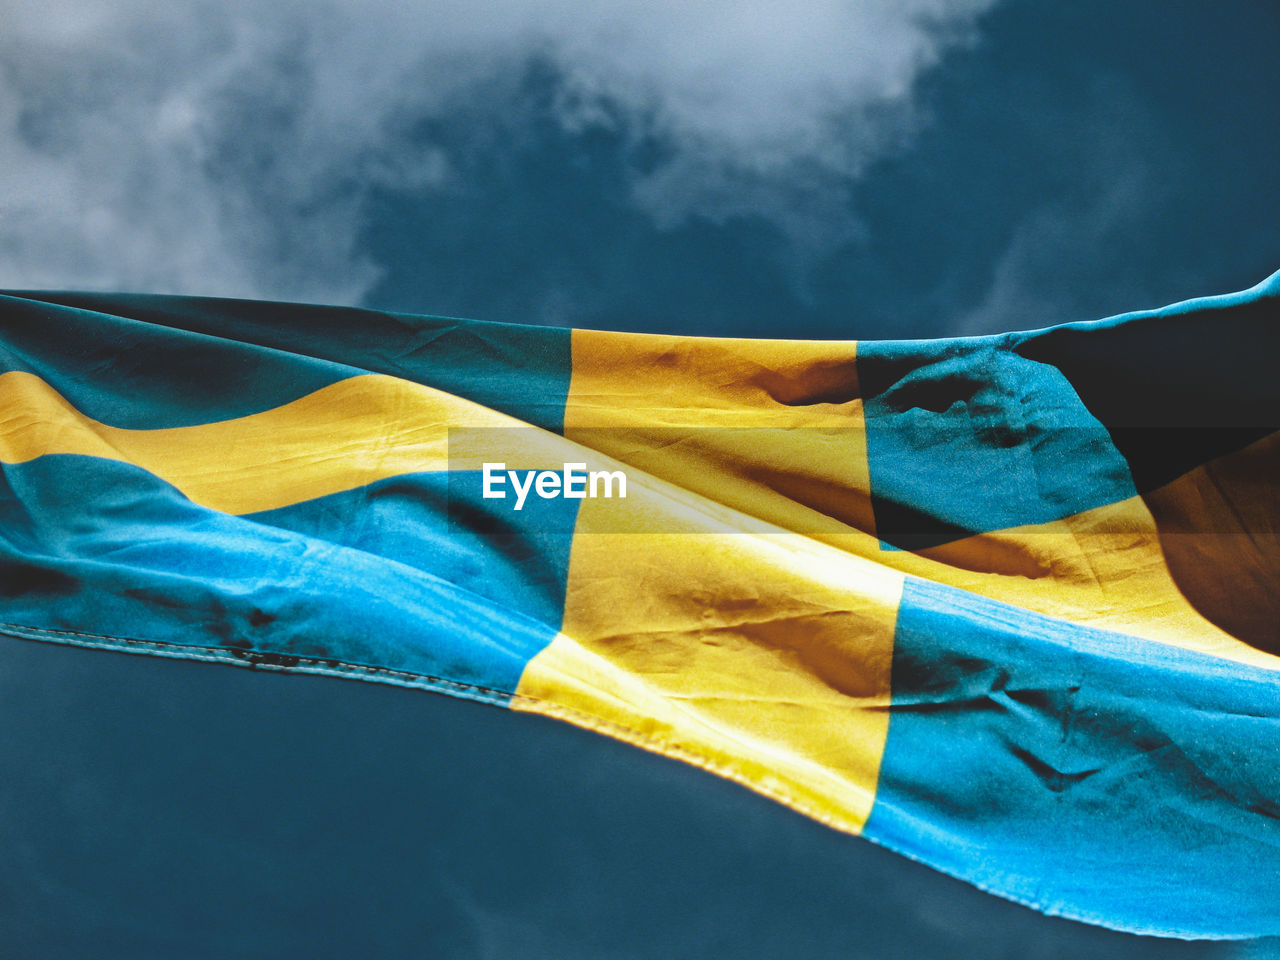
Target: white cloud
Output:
[{"x": 228, "y": 147}]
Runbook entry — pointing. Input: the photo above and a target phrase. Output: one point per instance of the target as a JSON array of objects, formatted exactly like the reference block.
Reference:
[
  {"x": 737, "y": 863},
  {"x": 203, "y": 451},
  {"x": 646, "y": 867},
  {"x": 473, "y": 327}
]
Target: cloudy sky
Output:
[
  {"x": 819, "y": 168},
  {"x": 830, "y": 168}
]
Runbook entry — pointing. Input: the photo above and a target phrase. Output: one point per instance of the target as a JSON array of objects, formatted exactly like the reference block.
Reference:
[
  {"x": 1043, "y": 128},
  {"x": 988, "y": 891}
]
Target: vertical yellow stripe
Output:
[
  {"x": 348, "y": 434},
  {"x": 763, "y": 656}
]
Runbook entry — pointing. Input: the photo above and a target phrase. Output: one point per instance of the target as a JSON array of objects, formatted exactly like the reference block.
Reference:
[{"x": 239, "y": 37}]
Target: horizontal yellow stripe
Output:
[
  {"x": 763, "y": 657},
  {"x": 1106, "y": 568},
  {"x": 351, "y": 433},
  {"x": 1202, "y": 572}
]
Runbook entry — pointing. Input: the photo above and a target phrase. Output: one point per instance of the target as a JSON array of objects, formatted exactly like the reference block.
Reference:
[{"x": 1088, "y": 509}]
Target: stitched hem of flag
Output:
[
  {"x": 257, "y": 660},
  {"x": 290, "y": 663}
]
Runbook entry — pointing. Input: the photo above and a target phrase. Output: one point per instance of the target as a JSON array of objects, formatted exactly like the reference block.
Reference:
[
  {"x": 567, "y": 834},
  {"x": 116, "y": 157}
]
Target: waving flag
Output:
[{"x": 1009, "y": 605}]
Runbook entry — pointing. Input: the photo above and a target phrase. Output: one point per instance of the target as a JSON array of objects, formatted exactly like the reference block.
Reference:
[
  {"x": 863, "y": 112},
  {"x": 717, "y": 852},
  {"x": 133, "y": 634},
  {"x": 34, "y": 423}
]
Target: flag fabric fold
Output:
[{"x": 1009, "y": 605}]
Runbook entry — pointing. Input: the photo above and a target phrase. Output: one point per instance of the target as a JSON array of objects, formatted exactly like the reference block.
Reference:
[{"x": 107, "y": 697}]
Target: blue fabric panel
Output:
[
  {"x": 965, "y": 436},
  {"x": 96, "y": 549},
  {"x": 1082, "y": 772},
  {"x": 438, "y": 523},
  {"x": 521, "y": 370}
]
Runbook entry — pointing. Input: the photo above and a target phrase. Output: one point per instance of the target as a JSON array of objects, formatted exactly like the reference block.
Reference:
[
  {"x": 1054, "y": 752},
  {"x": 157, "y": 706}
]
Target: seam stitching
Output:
[{"x": 354, "y": 671}]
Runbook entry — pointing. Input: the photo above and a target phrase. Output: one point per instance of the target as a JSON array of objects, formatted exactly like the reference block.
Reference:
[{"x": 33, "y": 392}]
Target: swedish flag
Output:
[{"x": 1009, "y": 605}]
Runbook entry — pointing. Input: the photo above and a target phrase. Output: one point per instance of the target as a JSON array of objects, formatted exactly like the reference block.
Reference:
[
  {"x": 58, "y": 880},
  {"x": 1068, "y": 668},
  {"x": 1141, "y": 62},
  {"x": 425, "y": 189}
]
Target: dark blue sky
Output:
[
  {"x": 1076, "y": 161},
  {"x": 936, "y": 167}
]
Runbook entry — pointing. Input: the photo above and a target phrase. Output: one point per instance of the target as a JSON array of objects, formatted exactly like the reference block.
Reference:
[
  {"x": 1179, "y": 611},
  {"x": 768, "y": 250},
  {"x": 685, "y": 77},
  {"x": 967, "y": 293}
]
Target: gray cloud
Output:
[{"x": 230, "y": 147}]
